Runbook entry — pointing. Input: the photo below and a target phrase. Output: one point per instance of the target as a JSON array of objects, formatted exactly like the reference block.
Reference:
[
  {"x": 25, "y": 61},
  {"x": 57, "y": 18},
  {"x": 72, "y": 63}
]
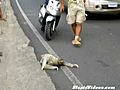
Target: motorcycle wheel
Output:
[{"x": 48, "y": 31}]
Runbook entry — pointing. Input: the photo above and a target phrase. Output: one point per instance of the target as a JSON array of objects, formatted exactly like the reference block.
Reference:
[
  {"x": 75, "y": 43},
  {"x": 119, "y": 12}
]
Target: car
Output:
[{"x": 103, "y": 6}]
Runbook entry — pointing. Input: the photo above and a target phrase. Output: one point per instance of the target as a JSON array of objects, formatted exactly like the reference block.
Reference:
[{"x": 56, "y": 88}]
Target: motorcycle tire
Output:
[{"x": 48, "y": 31}]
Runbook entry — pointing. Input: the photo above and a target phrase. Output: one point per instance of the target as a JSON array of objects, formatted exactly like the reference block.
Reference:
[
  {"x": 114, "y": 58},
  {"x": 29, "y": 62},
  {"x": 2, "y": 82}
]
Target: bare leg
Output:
[
  {"x": 77, "y": 28},
  {"x": 74, "y": 27}
]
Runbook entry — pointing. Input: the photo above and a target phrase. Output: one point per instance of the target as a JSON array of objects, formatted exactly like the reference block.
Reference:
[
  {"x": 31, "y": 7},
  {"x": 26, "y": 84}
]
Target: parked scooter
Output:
[{"x": 49, "y": 16}]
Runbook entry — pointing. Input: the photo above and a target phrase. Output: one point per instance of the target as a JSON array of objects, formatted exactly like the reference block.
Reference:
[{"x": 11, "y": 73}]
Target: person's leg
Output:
[
  {"x": 77, "y": 28},
  {"x": 57, "y": 21},
  {"x": 74, "y": 27},
  {"x": 71, "y": 17},
  {"x": 44, "y": 22},
  {"x": 78, "y": 31},
  {"x": 80, "y": 18}
]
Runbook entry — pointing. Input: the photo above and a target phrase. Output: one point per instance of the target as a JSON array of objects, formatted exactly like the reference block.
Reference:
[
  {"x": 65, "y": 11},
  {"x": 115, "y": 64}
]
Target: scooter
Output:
[{"x": 49, "y": 16}]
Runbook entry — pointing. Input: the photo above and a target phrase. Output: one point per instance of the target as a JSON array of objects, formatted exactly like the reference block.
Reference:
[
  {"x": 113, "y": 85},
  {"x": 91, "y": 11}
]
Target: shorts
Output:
[{"x": 76, "y": 13}]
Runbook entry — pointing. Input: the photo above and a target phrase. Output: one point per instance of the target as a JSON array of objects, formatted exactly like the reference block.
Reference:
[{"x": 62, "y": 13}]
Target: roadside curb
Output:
[{"x": 19, "y": 69}]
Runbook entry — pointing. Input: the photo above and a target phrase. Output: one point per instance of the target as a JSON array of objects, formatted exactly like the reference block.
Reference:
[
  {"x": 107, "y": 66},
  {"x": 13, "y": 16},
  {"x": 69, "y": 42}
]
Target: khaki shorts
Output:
[{"x": 76, "y": 12}]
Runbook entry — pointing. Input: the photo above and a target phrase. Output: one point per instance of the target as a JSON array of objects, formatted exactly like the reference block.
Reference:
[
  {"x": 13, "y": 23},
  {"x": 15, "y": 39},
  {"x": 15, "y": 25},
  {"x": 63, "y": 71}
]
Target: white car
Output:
[{"x": 103, "y": 6}]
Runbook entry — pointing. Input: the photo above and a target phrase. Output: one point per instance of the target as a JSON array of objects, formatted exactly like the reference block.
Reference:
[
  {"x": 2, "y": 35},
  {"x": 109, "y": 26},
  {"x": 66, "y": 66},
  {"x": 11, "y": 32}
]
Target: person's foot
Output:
[
  {"x": 76, "y": 42},
  {"x": 79, "y": 39}
]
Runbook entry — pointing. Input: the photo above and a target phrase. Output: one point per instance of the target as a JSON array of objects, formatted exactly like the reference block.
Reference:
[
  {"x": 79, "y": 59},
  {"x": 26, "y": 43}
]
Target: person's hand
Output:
[{"x": 62, "y": 8}]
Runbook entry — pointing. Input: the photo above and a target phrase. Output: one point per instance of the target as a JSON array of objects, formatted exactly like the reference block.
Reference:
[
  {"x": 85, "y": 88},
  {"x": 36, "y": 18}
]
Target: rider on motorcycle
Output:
[
  {"x": 46, "y": 2},
  {"x": 44, "y": 19}
]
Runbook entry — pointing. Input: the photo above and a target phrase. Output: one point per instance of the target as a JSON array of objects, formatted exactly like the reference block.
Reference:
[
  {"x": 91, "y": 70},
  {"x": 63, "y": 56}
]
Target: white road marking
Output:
[{"x": 66, "y": 70}]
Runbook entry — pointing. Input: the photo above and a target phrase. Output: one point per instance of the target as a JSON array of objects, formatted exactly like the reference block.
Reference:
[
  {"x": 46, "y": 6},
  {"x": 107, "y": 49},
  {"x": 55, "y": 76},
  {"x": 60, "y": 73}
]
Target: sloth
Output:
[{"x": 48, "y": 61}]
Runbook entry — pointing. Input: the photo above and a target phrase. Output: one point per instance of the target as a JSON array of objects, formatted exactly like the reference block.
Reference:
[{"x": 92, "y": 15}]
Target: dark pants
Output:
[
  {"x": 46, "y": 2},
  {"x": 44, "y": 22}
]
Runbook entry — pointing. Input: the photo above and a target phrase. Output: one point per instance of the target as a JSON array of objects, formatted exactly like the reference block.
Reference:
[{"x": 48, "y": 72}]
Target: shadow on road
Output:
[{"x": 103, "y": 17}]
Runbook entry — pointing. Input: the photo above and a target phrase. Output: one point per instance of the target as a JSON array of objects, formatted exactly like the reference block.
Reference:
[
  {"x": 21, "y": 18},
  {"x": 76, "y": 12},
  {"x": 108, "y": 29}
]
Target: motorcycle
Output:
[{"x": 49, "y": 16}]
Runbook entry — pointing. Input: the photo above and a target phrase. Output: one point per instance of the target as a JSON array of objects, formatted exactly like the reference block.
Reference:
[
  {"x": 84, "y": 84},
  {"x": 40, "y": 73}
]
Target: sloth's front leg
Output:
[{"x": 71, "y": 65}]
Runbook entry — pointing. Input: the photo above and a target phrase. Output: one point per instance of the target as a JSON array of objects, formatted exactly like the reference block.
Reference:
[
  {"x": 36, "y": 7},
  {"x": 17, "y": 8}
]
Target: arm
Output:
[
  {"x": 84, "y": 1},
  {"x": 70, "y": 65},
  {"x": 61, "y": 5}
]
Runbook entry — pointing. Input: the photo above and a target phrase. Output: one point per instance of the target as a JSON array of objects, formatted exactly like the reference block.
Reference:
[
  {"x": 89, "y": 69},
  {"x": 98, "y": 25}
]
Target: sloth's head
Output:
[{"x": 61, "y": 62}]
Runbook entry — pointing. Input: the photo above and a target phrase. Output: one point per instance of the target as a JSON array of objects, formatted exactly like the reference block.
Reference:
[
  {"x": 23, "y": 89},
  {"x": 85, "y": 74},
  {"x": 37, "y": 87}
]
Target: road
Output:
[{"x": 98, "y": 56}]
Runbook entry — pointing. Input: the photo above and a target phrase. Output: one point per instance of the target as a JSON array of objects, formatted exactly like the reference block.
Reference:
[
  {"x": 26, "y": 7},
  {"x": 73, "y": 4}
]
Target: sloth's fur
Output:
[{"x": 48, "y": 61}]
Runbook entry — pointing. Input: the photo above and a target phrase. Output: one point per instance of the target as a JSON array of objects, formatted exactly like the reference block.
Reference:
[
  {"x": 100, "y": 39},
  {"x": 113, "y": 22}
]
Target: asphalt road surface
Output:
[{"x": 98, "y": 56}]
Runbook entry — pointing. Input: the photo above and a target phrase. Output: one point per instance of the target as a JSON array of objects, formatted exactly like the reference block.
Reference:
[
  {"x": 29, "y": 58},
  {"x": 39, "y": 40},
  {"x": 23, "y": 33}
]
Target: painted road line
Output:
[{"x": 66, "y": 70}]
